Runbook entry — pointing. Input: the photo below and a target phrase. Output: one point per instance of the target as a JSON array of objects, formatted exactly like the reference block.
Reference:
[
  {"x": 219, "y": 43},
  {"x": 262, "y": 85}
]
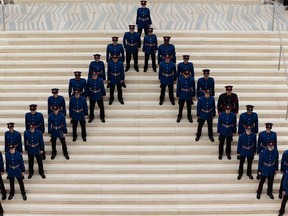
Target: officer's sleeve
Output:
[
  {"x": 70, "y": 107},
  {"x": 174, "y": 54},
  {"x": 26, "y": 121},
  {"x": 156, "y": 42},
  {"x": 235, "y": 124},
  {"x": 285, "y": 181},
  {"x": 198, "y": 89},
  {"x": 192, "y": 71},
  {"x": 240, "y": 124},
  {"x": 1, "y": 163},
  {"x": 178, "y": 70},
  {"x": 260, "y": 162},
  {"x": 85, "y": 87},
  {"x": 124, "y": 40},
  {"x": 213, "y": 107},
  {"x": 107, "y": 53},
  {"x": 239, "y": 145},
  {"x": 143, "y": 47},
  {"x": 237, "y": 104},
  {"x": 160, "y": 72},
  {"x": 256, "y": 123},
  {"x": 259, "y": 143},
  {"x": 20, "y": 142},
  {"x": 122, "y": 71},
  {"x": 21, "y": 161},
  {"x": 108, "y": 72},
  {"x": 49, "y": 109},
  {"x": 85, "y": 107},
  {"x": 103, "y": 71},
  {"x": 219, "y": 124},
  {"x": 219, "y": 104},
  {"x": 178, "y": 88},
  {"x": 64, "y": 125},
  {"x": 25, "y": 140},
  {"x": 90, "y": 69},
  {"x": 139, "y": 42},
  {"x": 41, "y": 140},
  {"x": 42, "y": 123},
  {"x": 159, "y": 54},
  {"x": 275, "y": 140},
  {"x": 49, "y": 125},
  {"x": 283, "y": 159},
  {"x": 198, "y": 108},
  {"x": 193, "y": 88},
  {"x": 137, "y": 15},
  {"x": 149, "y": 16},
  {"x": 7, "y": 161},
  {"x": 174, "y": 72},
  {"x": 122, "y": 53},
  {"x": 64, "y": 106},
  {"x": 213, "y": 87},
  {"x": 103, "y": 89},
  {"x": 277, "y": 160},
  {"x": 70, "y": 89},
  {"x": 88, "y": 91},
  {"x": 255, "y": 143}
]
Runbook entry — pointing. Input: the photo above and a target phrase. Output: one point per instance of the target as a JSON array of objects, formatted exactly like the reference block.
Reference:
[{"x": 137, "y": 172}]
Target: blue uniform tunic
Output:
[
  {"x": 37, "y": 119},
  {"x": 206, "y": 108},
  {"x": 203, "y": 84},
  {"x": 97, "y": 67},
  {"x": 227, "y": 124},
  {"x": 78, "y": 108},
  {"x": 13, "y": 138},
  {"x": 268, "y": 162},
  {"x": 59, "y": 101},
  {"x": 248, "y": 120},
  {"x": 77, "y": 84},
  {"x": 167, "y": 73},
  {"x": 131, "y": 42},
  {"x": 33, "y": 142},
  {"x": 14, "y": 164},
  {"x": 115, "y": 49},
  {"x": 57, "y": 125},
  {"x": 166, "y": 49},
  {"x": 1, "y": 163},
  {"x": 115, "y": 72},
  {"x": 96, "y": 89},
  {"x": 150, "y": 44},
  {"x": 246, "y": 145},
  {"x": 265, "y": 137},
  {"x": 284, "y": 162},
  {"x": 185, "y": 88},
  {"x": 143, "y": 18},
  {"x": 182, "y": 67}
]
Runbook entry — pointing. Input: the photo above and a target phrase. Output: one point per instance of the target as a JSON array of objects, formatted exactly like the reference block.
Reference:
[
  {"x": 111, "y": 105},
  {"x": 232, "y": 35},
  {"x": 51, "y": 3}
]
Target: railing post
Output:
[{"x": 280, "y": 54}]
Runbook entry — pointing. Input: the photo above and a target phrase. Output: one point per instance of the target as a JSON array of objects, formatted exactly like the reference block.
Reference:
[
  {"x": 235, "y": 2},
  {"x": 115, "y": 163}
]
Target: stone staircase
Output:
[{"x": 141, "y": 162}]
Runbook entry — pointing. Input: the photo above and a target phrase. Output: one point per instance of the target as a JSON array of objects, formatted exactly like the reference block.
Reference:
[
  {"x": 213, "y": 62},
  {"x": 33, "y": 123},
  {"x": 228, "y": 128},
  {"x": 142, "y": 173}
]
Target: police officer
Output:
[
  {"x": 34, "y": 145},
  {"x": 283, "y": 169},
  {"x": 97, "y": 66},
  {"x": 78, "y": 110},
  {"x": 132, "y": 44},
  {"x": 267, "y": 168},
  {"x": 115, "y": 48},
  {"x": 167, "y": 76},
  {"x": 143, "y": 18},
  {"x": 15, "y": 169},
  {"x": 57, "y": 128},
  {"x": 150, "y": 47},
  {"x": 246, "y": 148},
  {"x": 166, "y": 49},
  {"x": 265, "y": 136},
  {"x": 227, "y": 126},
  {"x": 2, "y": 186},
  {"x": 13, "y": 137},
  {"x": 56, "y": 100},
  {"x": 205, "y": 112},
  {"x": 38, "y": 119},
  {"x": 116, "y": 76},
  {"x": 205, "y": 82},
  {"x": 284, "y": 187},
  {"x": 185, "y": 66},
  {"x": 228, "y": 98},
  {"x": 96, "y": 92},
  {"x": 77, "y": 83},
  {"x": 186, "y": 93},
  {"x": 248, "y": 118}
]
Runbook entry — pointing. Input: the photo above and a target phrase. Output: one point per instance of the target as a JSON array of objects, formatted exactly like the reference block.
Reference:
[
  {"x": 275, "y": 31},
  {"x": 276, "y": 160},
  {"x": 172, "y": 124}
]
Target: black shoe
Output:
[
  {"x": 239, "y": 176},
  {"x": 211, "y": 139},
  {"x": 127, "y": 69},
  {"x": 190, "y": 120},
  {"x": 160, "y": 102},
  {"x": 24, "y": 197},
  {"x": 10, "y": 197},
  {"x": 271, "y": 196},
  {"x": 145, "y": 70},
  {"x": 197, "y": 139},
  {"x": 53, "y": 156},
  {"x": 67, "y": 156},
  {"x": 280, "y": 214},
  {"x": 108, "y": 85},
  {"x": 43, "y": 156},
  {"x": 258, "y": 177},
  {"x": 103, "y": 120},
  {"x": 173, "y": 102},
  {"x": 137, "y": 69},
  {"x": 43, "y": 176},
  {"x": 121, "y": 101},
  {"x": 258, "y": 196},
  {"x": 110, "y": 101},
  {"x": 280, "y": 195},
  {"x": 4, "y": 196},
  {"x": 228, "y": 157},
  {"x": 84, "y": 139},
  {"x": 124, "y": 85},
  {"x": 178, "y": 119},
  {"x": 74, "y": 139},
  {"x": 154, "y": 69},
  {"x": 90, "y": 120},
  {"x": 30, "y": 176},
  {"x": 220, "y": 157},
  {"x": 250, "y": 176}
]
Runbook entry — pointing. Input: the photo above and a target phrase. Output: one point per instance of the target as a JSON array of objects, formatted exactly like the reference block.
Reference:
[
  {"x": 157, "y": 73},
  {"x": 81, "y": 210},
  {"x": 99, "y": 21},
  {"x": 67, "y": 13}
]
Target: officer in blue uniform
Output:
[
  {"x": 13, "y": 137},
  {"x": 205, "y": 82},
  {"x": 38, "y": 119},
  {"x": 246, "y": 148},
  {"x": 116, "y": 77},
  {"x": 132, "y": 44},
  {"x": 267, "y": 168},
  {"x": 97, "y": 66},
  {"x": 77, "y": 83},
  {"x": 78, "y": 110},
  {"x": 2, "y": 186},
  {"x": 186, "y": 92},
  {"x": 143, "y": 18},
  {"x": 265, "y": 136},
  {"x": 248, "y": 118},
  {"x": 15, "y": 169},
  {"x": 96, "y": 92},
  {"x": 56, "y": 100},
  {"x": 185, "y": 66},
  {"x": 283, "y": 169},
  {"x": 57, "y": 128},
  {"x": 167, "y": 75},
  {"x": 227, "y": 126},
  {"x": 228, "y": 98},
  {"x": 34, "y": 145},
  {"x": 205, "y": 112},
  {"x": 150, "y": 47},
  {"x": 166, "y": 49},
  {"x": 284, "y": 191}
]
